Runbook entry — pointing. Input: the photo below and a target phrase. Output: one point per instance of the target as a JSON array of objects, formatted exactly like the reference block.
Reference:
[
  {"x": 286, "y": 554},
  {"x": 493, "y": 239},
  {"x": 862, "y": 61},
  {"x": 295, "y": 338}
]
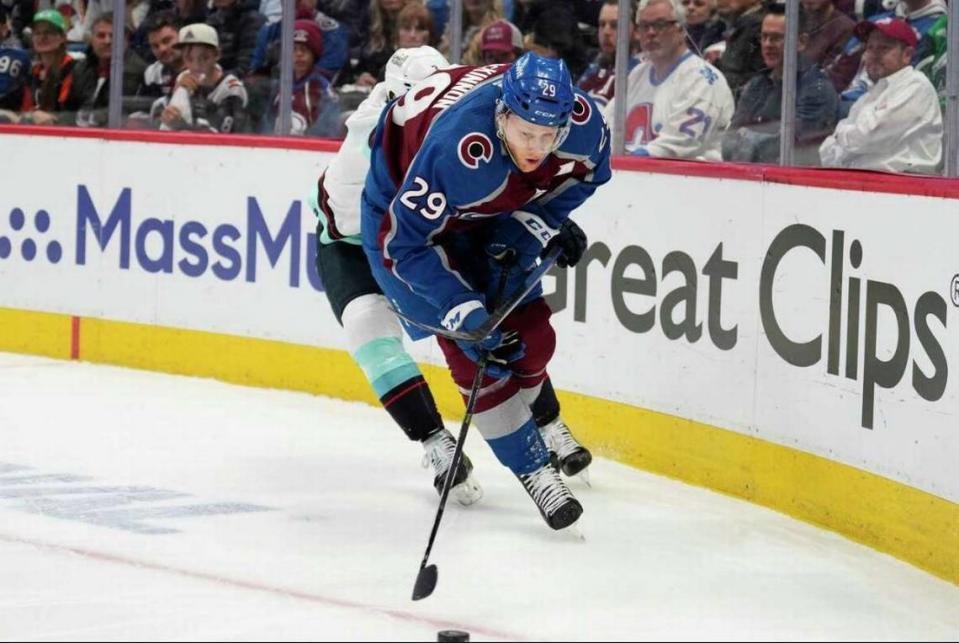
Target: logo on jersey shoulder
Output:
[
  {"x": 582, "y": 111},
  {"x": 473, "y": 148},
  {"x": 709, "y": 74}
]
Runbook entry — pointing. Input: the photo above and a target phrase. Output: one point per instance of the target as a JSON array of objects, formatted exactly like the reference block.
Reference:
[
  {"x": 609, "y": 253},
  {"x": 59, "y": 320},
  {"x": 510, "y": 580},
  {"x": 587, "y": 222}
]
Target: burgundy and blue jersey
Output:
[{"x": 439, "y": 174}]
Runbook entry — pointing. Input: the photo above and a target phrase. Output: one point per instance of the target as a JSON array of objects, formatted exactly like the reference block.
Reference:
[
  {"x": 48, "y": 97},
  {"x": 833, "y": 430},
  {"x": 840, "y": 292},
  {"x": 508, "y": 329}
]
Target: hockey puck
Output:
[{"x": 453, "y": 636}]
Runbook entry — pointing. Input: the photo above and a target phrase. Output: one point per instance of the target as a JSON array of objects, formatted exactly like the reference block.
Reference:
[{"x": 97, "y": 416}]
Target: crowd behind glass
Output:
[{"x": 705, "y": 77}]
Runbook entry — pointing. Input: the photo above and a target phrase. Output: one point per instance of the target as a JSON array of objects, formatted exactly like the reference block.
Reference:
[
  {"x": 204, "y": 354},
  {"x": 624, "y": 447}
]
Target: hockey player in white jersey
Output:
[
  {"x": 678, "y": 104},
  {"x": 373, "y": 333}
]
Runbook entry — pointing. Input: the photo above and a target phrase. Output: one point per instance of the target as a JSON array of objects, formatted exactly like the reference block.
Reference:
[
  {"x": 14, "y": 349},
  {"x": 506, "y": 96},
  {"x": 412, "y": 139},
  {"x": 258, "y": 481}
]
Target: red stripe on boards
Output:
[{"x": 74, "y": 338}]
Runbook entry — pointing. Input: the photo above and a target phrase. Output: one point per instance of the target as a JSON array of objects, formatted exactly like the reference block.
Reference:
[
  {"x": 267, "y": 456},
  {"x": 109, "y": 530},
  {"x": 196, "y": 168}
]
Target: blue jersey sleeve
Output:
[{"x": 331, "y": 61}]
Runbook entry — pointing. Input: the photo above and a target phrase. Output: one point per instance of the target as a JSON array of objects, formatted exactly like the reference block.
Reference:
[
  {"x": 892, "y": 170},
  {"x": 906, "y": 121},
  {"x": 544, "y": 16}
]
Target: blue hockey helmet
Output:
[{"x": 539, "y": 90}]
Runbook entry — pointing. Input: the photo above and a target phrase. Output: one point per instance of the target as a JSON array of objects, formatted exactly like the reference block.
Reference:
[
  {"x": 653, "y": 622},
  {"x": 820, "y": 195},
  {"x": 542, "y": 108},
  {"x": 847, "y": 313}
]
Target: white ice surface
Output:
[{"x": 348, "y": 513}]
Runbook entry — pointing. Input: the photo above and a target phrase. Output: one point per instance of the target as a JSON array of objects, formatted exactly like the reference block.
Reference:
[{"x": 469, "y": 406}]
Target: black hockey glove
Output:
[{"x": 572, "y": 240}]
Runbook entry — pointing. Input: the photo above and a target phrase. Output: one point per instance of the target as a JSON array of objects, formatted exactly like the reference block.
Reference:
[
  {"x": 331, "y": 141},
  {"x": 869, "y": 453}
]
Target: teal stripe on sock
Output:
[
  {"x": 386, "y": 364},
  {"x": 393, "y": 379}
]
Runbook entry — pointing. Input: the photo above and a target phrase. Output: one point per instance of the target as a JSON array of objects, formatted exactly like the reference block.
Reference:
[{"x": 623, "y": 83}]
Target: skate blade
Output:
[
  {"x": 584, "y": 476},
  {"x": 575, "y": 532},
  {"x": 467, "y": 492}
]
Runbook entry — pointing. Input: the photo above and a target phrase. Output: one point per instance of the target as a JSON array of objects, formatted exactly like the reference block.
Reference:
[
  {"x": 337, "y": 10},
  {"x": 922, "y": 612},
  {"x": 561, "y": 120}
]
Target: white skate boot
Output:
[{"x": 439, "y": 453}]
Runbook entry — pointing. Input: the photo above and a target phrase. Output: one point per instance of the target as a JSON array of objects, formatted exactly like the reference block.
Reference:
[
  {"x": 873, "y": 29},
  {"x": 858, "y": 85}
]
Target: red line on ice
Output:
[{"x": 259, "y": 587}]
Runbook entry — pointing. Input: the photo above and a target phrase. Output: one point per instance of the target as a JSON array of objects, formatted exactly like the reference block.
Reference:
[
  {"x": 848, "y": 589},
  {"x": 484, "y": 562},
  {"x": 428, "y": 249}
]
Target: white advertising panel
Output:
[
  {"x": 207, "y": 238},
  {"x": 819, "y": 319}
]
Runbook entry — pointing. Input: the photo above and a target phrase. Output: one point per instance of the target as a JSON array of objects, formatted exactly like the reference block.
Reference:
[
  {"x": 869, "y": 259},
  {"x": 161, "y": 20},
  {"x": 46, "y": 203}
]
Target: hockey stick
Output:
[
  {"x": 500, "y": 313},
  {"x": 427, "y": 576}
]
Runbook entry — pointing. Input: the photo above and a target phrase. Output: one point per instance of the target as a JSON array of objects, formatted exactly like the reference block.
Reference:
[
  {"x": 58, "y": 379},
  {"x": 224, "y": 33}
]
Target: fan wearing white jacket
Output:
[
  {"x": 678, "y": 105},
  {"x": 897, "y": 125}
]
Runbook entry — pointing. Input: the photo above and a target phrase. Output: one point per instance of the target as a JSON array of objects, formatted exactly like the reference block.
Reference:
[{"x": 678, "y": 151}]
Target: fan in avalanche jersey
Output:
[{"x": 470, "y": 162}]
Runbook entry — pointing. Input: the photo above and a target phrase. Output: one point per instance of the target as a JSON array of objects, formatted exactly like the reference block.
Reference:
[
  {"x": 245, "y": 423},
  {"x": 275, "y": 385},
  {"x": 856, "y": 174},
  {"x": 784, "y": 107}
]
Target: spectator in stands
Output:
[
  {"x": 136, "y": 11},
  {"x": 315, "y": 109},
  {"x": 263, "y": 82},
  {"x": 382, "y": 42},
  {"x": 335, "y": 50},
  {"x": 847, "y": 72},
  {"x": 414, "y": 27},
  {"x": 555, "y": 33},
  {"x": 896, "y": 126},
  {"x": 500, "y": 43},
  {"x": 703, "y": 26},
  {"x": 829, "y": 31},
  {"x": 742, "y": 56},
  {"x": 753, "y": 135},
  {"x": 237, "y": 23},
  {"x": 74, "y": 12},
  {"x": 678, "y": 104},
  {"x": 14, "y": 71},
  {"x": 599, "y": 78},
  {"x": 91, "y": 76},
  {"x": 162, "y": 32},
  {"x": 47, "y": 101},
  {"x": 163, "y": 36},
  {"x": 205, "y": 98},
  {"x": 477, "y": 14},
  {"x": 139, "y": 40}
]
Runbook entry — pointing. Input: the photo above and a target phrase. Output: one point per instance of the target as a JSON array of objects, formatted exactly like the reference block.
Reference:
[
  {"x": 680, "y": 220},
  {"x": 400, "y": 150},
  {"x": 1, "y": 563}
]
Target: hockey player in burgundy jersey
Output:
[{"x": 472, "y": 161}]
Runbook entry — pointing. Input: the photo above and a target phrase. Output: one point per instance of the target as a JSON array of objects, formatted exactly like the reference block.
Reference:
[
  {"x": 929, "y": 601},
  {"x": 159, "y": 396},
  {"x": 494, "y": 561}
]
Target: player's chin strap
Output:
[{"x": 502, "y": 111}]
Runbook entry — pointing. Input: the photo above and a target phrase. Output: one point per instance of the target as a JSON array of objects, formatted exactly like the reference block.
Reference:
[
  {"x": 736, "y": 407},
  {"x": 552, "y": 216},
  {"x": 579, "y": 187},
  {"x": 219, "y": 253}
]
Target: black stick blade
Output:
[{"x": 425, "y": 582}]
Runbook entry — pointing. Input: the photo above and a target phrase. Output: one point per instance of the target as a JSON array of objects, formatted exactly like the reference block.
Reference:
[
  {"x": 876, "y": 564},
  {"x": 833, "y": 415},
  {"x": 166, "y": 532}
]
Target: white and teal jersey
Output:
[{"x": 337, "y": 196}]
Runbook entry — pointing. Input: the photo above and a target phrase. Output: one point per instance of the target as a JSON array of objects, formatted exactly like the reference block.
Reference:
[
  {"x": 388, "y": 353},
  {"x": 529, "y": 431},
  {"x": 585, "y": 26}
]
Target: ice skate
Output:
[
  {"x": 439, "y": 453},
  {"x": 553, "y": 498},
  {"x": 572, "y": 457}
]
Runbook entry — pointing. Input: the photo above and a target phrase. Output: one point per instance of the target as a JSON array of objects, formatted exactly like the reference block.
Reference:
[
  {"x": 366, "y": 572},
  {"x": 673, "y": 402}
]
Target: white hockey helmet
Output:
[{"x": 408, "y": 66}]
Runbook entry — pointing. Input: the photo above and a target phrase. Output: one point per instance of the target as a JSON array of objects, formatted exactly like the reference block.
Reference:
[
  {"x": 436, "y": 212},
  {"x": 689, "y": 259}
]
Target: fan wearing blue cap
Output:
[{"x": 473, "y": 165}]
